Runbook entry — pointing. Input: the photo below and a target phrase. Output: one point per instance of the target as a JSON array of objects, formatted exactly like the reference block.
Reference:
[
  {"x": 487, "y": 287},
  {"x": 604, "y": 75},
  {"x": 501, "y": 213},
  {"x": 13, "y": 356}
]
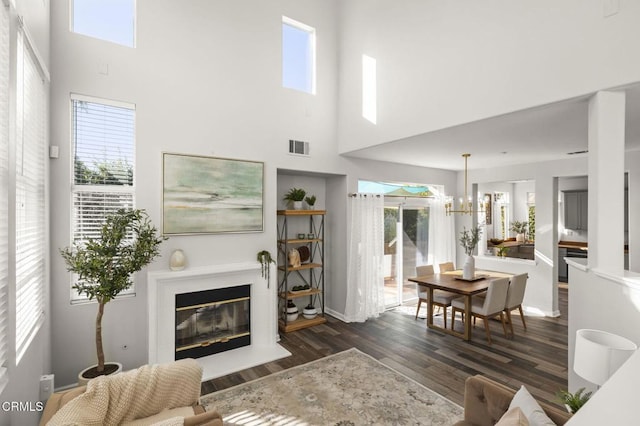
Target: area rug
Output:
[{"x": 348, "y": 388}]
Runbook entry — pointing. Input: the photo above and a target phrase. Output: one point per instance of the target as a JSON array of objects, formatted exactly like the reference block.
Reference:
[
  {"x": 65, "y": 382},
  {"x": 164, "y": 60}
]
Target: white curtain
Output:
[
  {"x": 442, "y": 237},
  {"x": 365, "y": 280}
]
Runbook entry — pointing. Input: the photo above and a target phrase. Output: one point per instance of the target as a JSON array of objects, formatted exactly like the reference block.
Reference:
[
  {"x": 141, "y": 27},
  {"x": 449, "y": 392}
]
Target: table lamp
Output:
[{"x": 598, "y": 354}]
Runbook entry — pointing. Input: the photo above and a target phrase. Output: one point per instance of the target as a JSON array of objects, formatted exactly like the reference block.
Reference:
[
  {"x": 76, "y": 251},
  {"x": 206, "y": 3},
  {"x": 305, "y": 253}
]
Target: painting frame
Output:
[
  {"x": 211, "y": 195},
  {"x": 488, "y": 211}
]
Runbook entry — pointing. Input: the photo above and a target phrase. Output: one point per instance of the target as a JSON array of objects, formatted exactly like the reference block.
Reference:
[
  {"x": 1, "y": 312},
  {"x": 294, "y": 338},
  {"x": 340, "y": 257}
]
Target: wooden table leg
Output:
[
  {"x": 467, "y": 317},
  {"x": 430, "y": 307}
]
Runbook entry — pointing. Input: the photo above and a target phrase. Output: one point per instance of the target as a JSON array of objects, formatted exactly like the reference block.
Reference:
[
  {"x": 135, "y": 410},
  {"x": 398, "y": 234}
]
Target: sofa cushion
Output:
[
  {"x": 513, "y": 417},
  {"x": 530, "y": 407}
]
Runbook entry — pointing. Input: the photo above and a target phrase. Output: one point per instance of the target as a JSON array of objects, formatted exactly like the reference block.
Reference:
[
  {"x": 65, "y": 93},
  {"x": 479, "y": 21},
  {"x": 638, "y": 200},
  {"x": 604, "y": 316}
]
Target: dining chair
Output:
[
  {"x": 441, "y": 298},
  {"x": 485, "y": 308},
  {"x": 423, "y": 295},
  {"x": 515, "y": 296},
  {"x": 446, "y": 267}
]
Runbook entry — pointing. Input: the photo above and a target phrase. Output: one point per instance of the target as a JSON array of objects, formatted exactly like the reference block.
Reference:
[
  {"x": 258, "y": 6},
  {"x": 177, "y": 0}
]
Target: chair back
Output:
[
  {"x": 515, "y": 295},
  {"x": 446, "y": 266},
  {"x": 496, "y": 296},
  {"x": 424, "y": 270}
]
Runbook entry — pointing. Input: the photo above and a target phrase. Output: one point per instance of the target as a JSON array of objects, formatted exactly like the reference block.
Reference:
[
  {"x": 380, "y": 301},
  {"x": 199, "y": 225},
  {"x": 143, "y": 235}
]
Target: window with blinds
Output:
[
  {"x": 4, "y": 190},
  {"x": 30, "y": 196},
  {"x": 103, "y": 152}
]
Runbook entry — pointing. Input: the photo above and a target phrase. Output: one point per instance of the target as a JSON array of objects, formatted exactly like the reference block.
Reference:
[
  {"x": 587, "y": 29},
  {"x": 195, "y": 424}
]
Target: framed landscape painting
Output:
[{"x": 209, "y": 195}]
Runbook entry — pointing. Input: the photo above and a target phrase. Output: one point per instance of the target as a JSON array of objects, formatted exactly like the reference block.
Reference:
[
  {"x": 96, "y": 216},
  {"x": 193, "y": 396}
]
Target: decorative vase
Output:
[
  {"x": 520, "y": 238},
  {"x": 177, "y": 260},
  {"x": 297, "y": 205},
  {"x": 309, "y": 312},
  {"x": 469, "y": 268},
  {"x": 291, "y": 311}
]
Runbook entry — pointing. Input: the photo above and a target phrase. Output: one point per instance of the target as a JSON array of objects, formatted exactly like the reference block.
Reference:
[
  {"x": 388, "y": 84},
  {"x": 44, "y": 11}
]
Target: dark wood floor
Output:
[{"x": 536, "y": 358}]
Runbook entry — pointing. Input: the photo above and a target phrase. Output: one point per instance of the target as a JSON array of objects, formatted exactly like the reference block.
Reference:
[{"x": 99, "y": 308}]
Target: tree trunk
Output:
[{"x": 99, "y": 348}]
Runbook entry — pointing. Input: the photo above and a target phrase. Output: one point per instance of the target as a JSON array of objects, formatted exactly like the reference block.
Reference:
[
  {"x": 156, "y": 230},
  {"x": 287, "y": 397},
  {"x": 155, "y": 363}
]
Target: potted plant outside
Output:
[
  {"x": 469, "y": 240},
  {"x": 295, "y": 196},
  {"x": 520, "y": 228},
  {"x": 105, "y": 265}
]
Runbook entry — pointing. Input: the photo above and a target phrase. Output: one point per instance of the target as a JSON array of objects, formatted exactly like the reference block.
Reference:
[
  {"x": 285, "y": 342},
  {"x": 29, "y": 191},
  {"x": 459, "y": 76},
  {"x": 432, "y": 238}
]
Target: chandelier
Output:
[{"x": 466, "y": 203}]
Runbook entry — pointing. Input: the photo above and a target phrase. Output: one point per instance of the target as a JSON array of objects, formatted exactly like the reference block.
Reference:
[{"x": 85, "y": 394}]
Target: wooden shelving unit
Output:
[{"x": 311, "y": 272}]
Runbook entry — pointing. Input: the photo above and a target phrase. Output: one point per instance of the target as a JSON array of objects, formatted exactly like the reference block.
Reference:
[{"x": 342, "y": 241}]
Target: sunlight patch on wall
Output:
[{"x": 369, "y": 89}]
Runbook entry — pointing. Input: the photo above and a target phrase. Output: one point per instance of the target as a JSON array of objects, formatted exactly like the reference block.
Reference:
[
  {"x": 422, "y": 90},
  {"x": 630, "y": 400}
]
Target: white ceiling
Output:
[{"x": 529, "y": 136}]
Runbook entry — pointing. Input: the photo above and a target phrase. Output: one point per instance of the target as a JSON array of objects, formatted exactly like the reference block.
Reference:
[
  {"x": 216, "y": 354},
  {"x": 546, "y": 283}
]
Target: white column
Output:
[{"x": 606, "y": 181}]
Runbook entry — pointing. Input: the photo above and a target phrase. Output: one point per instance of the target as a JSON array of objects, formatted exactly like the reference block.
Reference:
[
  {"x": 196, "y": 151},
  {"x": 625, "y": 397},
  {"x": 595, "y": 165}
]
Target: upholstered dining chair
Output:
[
  {"x": 515, "y": 296},
  {"x": 446, "y": 267},
  {"x": 441, "y": 298},
  {"x": 485, "y": 308}
]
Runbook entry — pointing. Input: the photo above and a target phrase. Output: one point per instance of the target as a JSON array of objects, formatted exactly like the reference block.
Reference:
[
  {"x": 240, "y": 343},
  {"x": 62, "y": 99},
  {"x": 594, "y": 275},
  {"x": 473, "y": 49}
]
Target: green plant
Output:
[
  {"x": 502, "y": 251},
  {"x": 311, "y": 200},
  {"x": 469, "y": 239},
  {"x": 295, "y": 194},
  {"x": 264, "y": 257},
  {"x": 573, "y": 400},
  {"x": 127, "y": 243},
  {"x": 518, "y": 227}
]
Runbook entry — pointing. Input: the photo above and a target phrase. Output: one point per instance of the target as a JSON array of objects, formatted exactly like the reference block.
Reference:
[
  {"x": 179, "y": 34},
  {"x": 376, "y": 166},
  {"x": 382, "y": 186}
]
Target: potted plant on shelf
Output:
[
  {"x": 573, "y": 401},
  {"x": 295, "y": 196},
  {"x": 520, "y": 228},
  {"x": 311, "y": 201},
  {"x": 469, "y": 240},
  {"x": 105, "y": 265}
]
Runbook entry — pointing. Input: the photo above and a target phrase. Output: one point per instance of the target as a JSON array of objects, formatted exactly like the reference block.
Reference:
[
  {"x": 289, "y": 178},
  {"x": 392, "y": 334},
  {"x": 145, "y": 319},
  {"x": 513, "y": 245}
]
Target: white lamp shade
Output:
[{"x": 598, "y": 354}]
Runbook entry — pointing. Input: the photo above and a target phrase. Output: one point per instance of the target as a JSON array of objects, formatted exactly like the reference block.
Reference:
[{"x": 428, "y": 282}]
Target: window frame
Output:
[
  {"x": 75, "y": 297},
  {"x": 133, "y": 33},
  {"x": 311, "y": 31}
]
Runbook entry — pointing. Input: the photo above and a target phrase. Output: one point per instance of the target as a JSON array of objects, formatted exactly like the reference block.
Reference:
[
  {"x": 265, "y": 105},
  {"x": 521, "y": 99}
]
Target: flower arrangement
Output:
[{"x": 469, "y": 239}]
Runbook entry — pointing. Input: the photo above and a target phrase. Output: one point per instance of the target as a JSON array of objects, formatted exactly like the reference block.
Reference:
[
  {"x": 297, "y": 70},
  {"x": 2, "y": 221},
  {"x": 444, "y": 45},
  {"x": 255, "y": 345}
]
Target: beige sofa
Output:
[
  {"x": 485, "y": 401},
  {"x": 152, "y": 394}
]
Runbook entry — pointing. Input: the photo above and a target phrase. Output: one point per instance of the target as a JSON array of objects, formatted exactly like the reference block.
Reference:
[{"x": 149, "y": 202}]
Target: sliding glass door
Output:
[{"x": 406, "y": 246}]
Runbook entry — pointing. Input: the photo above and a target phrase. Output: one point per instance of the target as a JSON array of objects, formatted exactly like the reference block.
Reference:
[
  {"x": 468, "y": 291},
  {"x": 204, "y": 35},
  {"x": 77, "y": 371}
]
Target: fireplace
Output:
[
  {"x": 163, "y": 288},
  {"x": 212, "y": 321}
]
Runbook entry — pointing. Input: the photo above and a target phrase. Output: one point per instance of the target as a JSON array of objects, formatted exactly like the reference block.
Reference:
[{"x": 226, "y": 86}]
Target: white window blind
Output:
[
  {"x": 4, "y": 190},
  {"x": 30, "y": 196},
  {"x": 103, "y": 166}
]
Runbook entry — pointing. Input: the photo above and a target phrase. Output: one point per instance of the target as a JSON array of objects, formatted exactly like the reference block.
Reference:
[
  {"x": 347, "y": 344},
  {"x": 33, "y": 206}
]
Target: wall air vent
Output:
[
  {"x": 578, "y": 152},
  {"x": 298, "y": 147}
]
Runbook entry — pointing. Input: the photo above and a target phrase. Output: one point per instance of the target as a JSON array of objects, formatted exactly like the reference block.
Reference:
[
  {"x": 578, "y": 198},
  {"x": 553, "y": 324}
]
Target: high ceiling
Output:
[{"x": 529, "y": 136}]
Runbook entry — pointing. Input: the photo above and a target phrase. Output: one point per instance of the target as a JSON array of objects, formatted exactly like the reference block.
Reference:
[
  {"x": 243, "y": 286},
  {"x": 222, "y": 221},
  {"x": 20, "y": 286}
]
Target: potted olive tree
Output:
[{"x": 104, "y": 267}]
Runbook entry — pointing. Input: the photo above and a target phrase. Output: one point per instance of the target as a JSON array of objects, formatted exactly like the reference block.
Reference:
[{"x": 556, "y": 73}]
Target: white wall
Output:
[
  {"x": 205, "y": 79},
  {"x": 442, "y": 64}
]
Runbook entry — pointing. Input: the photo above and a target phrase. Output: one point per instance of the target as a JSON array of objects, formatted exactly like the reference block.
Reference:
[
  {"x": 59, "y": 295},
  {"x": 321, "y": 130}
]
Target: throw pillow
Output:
[
  {"x": 530, "y": 407},
  {"x": 513, "y": 417}
]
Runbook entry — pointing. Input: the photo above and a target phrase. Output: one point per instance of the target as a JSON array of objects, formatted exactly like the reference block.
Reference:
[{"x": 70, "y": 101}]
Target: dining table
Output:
[{"x": 452, "y": 281}]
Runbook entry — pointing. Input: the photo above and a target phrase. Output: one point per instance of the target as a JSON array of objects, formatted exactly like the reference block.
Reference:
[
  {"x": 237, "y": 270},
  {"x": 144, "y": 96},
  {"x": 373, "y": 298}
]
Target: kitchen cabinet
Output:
[{"x": 576, "y": 208}]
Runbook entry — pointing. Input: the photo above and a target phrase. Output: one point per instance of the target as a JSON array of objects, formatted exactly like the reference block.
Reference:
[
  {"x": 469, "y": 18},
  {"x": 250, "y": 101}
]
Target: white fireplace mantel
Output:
[{"x": 163, "y": 287}]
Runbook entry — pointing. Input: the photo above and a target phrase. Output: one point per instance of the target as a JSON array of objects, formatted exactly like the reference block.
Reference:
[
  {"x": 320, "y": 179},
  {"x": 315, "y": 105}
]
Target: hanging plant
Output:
[{"x": 265, "y": 259}]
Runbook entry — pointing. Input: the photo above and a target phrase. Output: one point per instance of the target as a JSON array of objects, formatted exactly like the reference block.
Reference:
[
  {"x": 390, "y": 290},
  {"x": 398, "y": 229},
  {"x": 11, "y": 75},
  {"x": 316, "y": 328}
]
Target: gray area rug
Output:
[{"x": 348, "y": 388}]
